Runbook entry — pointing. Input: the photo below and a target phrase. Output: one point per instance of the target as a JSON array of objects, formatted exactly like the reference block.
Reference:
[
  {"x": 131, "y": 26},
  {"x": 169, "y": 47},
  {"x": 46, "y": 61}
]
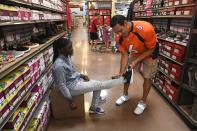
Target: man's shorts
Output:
[
  {"x": 148, "y": 68},
  {"x": 93, "y": 36}
]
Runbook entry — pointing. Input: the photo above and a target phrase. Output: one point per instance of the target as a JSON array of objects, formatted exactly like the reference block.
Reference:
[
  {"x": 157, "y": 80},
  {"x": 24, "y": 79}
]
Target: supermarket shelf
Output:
[
  {"x": 175, "y": 81},
  {"x": 100, "y": 9},
  {"x": 164, "y": 95},
  {"x": 30, "y": 5},
  {"x": 100, "y": 15},
  {"x": 46, "y": 94},
  {"x": 170, "y": 16},
  {"x": 180, "y": 110},
  {"x": 190, "y": 60},
  {"x": 186, "y": 109},
  {"x": 21, "y": 100},
  {"x": 171, "y": 41},
  {"x": 10, "y": 23},
  {"x": 169, "y": 58},
  {"x": 99, "y": 1},
  {"x": 185, "y": 86},
  {"x": 19, "y": 61},
  {"x": 168, "y": 7}
]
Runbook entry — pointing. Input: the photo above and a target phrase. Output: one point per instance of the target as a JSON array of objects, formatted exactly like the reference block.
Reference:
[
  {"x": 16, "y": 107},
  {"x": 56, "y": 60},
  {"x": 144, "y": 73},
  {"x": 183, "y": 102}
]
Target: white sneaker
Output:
[
  {"x": 122, "y": 100},
  {"x": 140, "y": 108}
]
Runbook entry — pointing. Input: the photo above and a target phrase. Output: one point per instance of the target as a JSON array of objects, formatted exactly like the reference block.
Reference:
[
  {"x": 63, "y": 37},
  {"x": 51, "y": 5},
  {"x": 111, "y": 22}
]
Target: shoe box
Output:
[
  {"x": 176, "y": 52},
  {"x": 172, "y": 69}
]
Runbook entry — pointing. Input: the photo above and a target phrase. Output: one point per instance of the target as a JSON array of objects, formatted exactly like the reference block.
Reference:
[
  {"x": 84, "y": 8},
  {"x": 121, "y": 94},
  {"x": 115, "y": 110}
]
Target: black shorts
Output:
[{"x": 93, "y": 36}]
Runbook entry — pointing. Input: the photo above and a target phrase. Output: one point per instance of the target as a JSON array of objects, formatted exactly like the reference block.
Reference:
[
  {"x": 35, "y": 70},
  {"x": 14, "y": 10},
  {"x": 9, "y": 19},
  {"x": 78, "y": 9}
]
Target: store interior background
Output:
[{"x": 162, "y": 114}]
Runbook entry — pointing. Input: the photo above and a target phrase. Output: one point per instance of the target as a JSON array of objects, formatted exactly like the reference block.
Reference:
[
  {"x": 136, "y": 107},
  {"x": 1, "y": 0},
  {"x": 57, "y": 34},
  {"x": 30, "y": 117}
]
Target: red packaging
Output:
[
  {"x": 179, "y": 11},
  {"x": 162, "y": 67},
  {"x": 176, "y": 75},
  {"x": 168, "y": 67},
  {"x": 176, "y": 68},
  {"x": 167, "y": 80},
  {"x": 171, "y": 11},
  {"x": 179, "y": 49},
  {"x": 165, "y": 90},
  {"x": 187, "y": 2},
  {"x": 170, "y": 2},
  {"x": 4, "y": 112},
  {"x": 178, "y": 57},
  {"x": 177, "y": 2},
  {"x": 168, "y": 87},
  {"x": 188, "y": 10},
  {"x": 173, "y": 93}
]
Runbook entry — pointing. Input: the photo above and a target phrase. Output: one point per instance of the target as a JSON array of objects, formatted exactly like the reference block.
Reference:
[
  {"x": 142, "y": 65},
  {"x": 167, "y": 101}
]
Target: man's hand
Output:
[
  {"x": 85, "y": 77},
  {"x": 73, "y": 106},
  {"x": 116, "y": 76},
  {"x": 134, "y": 63}
]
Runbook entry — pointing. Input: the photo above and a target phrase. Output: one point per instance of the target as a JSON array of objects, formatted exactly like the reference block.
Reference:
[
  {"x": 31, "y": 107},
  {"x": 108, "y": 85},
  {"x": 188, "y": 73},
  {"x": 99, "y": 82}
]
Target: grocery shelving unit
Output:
[
  {"x": 99, "y": 9},
  {"x": 8, "y": 68},
  {"x": 185, "y": 98}
]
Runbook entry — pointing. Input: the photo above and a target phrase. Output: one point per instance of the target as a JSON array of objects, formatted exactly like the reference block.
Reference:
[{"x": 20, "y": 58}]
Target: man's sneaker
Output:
[
  {"x": 122, "y": 100},
  {"x": 140, "y": 108},
  {"x": 127, "y": 75},
  {"x": 96, "y": 110}
]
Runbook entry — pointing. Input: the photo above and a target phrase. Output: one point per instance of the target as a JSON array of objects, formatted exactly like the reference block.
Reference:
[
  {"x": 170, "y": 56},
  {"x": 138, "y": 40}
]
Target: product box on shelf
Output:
[
  {"x": 4, "y": 11},
  {"x": 25, "y": 71},
  {"x": 187, "y": 2},
  {"x": 161, "y": 82},
  {"x": 6, "y": 82},
  {"x": 173, "y": 93},
  {"x": 15, "y": 120},
  {"x": 165, "y": 90},
  {"x": 178, "y": 57},
  {"x": 4, "y": 112},
  {"x": 168, "y": 67},
  {"x": 10, "y": 92},
  {"x": 177, "y": 2},
  {"x": 176, "y": 68},
  {"x": 3, "y": 101},
  {"x": 170, "y": 2},
  {"x": 188, "y": 10},
  {"x": 176, "y": 75}
]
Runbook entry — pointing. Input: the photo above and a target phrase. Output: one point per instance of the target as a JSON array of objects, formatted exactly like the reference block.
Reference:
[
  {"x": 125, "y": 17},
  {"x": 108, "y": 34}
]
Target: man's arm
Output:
[
  {"x": 144, "y": 55},
  {"x": 123, "y": 62}
]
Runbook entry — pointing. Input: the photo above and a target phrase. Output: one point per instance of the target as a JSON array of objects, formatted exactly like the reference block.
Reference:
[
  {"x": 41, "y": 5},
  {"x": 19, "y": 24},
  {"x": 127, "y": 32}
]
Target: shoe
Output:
[
  {"x": 140, "y": 108},
  {"x": 122, "y": 99},
  {"x": 96, "y": 110},
  {"x": 127, "y": 75}
]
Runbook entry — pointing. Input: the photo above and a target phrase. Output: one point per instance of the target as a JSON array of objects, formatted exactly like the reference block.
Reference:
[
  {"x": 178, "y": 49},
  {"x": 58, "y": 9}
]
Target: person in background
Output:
[
  {"x": 137, "y": 42},
  {"x": 106, "y": 36},
  {"x": 72, "y": 83},
  {"x": 93, "y": 32}
]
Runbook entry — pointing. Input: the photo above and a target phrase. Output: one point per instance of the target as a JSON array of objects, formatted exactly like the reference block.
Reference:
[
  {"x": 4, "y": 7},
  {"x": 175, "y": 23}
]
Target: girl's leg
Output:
[
  {"x": 95, "y": 97},
  {"x": 93, "y": 85}
]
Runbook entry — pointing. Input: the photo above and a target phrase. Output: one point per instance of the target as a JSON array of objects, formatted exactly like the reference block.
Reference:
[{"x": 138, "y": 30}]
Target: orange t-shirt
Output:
[{"x": 133, "y": 44}]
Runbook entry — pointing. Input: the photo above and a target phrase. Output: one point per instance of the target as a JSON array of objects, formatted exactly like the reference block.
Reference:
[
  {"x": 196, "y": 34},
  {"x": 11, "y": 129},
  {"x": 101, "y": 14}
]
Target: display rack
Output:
[
  {"x": 185, "y": 94},
  {"x": 40, "y": 50},
  {"x": 99, "y": 10}
]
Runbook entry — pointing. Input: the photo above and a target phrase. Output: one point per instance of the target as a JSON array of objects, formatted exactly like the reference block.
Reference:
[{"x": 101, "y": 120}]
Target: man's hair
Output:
[{"x": 117, "y": 19}]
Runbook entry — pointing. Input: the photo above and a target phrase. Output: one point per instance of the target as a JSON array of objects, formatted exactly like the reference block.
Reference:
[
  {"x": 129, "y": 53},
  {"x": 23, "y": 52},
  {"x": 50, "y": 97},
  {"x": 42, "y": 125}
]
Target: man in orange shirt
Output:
[{"x": 137, "y": 43}]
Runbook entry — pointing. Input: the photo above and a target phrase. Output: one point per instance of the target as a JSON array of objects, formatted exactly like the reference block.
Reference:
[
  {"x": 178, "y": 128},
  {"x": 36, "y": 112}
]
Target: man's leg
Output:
[
  {"x": 126, "y": 88},
  {"x": 150, "y": 68},
  {"x": 146, "y": 88}
]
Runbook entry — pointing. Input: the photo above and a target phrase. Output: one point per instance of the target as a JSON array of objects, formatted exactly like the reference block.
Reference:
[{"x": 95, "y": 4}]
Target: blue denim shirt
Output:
[{"x": 65, "y": 75}]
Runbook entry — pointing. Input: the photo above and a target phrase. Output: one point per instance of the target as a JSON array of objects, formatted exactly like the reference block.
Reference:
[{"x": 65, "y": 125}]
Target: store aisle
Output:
[{"x": 158, "y": 117}]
